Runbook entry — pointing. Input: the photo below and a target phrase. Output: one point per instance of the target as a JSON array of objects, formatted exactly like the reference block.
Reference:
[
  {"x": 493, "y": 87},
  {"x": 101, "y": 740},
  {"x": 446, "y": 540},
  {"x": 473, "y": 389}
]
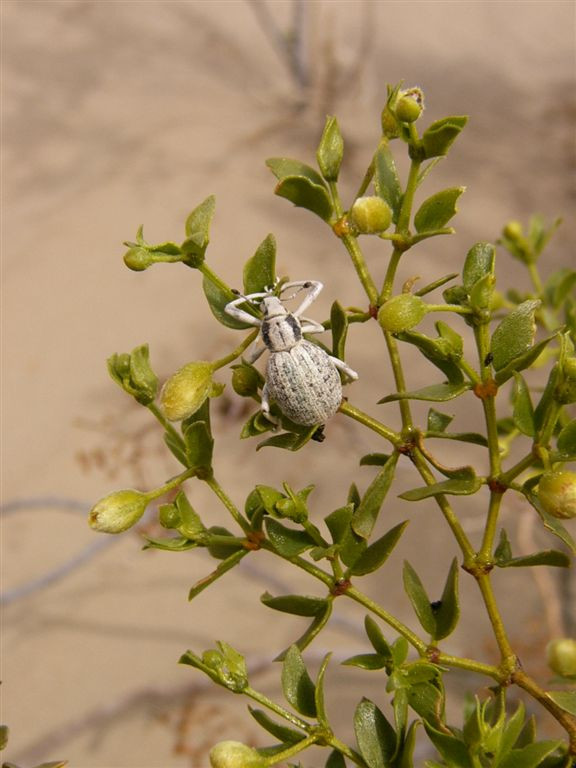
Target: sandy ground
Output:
[{"x": 122, "y": 113}]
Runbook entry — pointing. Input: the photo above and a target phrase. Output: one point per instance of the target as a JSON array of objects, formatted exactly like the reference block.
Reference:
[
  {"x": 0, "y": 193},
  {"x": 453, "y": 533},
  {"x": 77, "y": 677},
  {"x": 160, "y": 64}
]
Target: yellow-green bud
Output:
[
  {"x": 370, "y": 215},
  {"x": 245, "y": 380},
  {"x": 561, "y": 656},
  {"x": 557, "y": 494},
  {"x": 513, "y": 230},
  {"x": 565, "y": 392},
  {"x": 138, "y": 259},
  {"x": 410, "y": 105},
  {"x": 402, "y": 312},
  {"x": 118, "y": 511},
  {"x": 234, "y": 754},
  {"x": 186, "y": 390}
]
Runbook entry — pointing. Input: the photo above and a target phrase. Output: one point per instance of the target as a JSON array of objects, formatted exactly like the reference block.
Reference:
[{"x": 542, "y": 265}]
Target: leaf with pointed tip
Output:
[
  {"x": 319, "y": 693},
  {"x": 452, "y": 749},
  {"x": 339, "y": 326},
  {"x": 523, "y": 413},
  {"x": 375, "y": 736},
  {"x": 223, "y": 567},
  {"x": 377, "y": 553},
  {"x": 218, "y": 297},
  {"x": 419, "y": 598},
  {"x": 523, "y": 361},
  {"x": 311, "y": 631},
  {"x": 298, "y": 605},
  {"x": 287, "y": 541},
  {"x": 260, "y": 270},
  {"x": 297, "y": 685},
  {"x": 530, "y": 756},
  {"x": 479, "y": 263},
  {"x": 438, "y": 393},
  {"x": 456, "y": 486},
  {"x": 566, "y": 443},
  {"x": 366, "y": 514},
  {"x": 386, "y": 181},
  {"x": 565, "y": 699},
  {"x": 278, "y": 730},
  {"x": 437, "y": 210},
  {"x": 302, "y": 185},
  {"x": 440, "y": 135},
  {"x": 369, "y": 661},
  {"x": 514, "y": 335}
]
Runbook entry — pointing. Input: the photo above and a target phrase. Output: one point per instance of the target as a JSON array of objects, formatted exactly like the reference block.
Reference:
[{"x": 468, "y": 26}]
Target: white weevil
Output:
[{"x": 300, "y": 376}]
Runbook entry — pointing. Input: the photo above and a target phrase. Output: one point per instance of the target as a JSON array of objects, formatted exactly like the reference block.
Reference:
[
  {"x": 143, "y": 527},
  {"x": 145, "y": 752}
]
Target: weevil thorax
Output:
[{"x": 280, "y": 330}]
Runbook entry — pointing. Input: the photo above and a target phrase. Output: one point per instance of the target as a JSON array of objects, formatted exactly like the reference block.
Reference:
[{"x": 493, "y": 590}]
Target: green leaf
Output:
[
  {"x": 330, "y": 150},
  {"x": 452, "y": 749},
  {"x": 457, "y": 486},
  {"x": 566, "y": 443},
  {"x": 374, "y": 459},
  {"x": 278, "y": 730},
  {"x": 218, "y": 298},
  {"x": 297, "y": 685},
  {"x": 312, "y": 630},
  {"x": 375, "y": 736},
  {"x": 299, "y": 605},
  {"x": 366, "y": 514},
  {"x": 198, "y": 232},
  {"x": 437, "y": 421},
  {"x": 386, "y": 181},
  {"x": 530, "y": 756},
  {"x": 319, "y": 693},
  {"x": 260, "y": 270},
  {"x": 302, "y": 185},
  {"x": 199, "y": 445},
  {"x": 289, "y": 441},
  {"x": 429, "y": 287},
  {"x": 523, "y": 361},
  {"x": 447, "y": 611},
  {"x": 377, "y": 553},
  {"x": 222, "y": 568},
  {"x": 464, "y": 437},
  {"x": 479, "y": 264},
  {"x": 287, "y": 541},
  {"x": 439, "y": 352},
  {"x": 514, "y": 335},
  {"x": 427, "y": 700},
  {"x": 419, "y": 598},
  {"x": 370, "y": 661},
  {"x": 377, "y": 639},
  {"x": 523, "y": 413},
  {"x": 176, "y": 446},
  {"x": 350, "y": 545},
  {"x": 405, "y": 758},
  {"x": 170, "y": 543},
  {"x": 564, "y": 699},
  {"x": 437, "y": 210},
  {"x": 339, "y": 326},
  {"x": 440, "y": 135},
  {"x": 335, "y": 760},
  {"x": 438, "y": 393},
  {"x": 511, "y": 732}
]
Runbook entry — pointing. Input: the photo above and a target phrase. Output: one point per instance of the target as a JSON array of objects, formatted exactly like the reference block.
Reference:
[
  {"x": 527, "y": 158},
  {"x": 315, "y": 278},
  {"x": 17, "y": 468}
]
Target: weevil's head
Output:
[{"x": 271, "y": 306}]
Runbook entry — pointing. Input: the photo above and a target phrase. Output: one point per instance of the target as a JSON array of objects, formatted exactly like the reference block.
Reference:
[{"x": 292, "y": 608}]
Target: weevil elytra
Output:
[{"x": 300, "y": 376}]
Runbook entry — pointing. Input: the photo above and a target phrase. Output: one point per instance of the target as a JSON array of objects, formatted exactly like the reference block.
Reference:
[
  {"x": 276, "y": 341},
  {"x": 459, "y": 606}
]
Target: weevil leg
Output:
[
  {"x": 313, "y": 286},
  {"x": 265, "y": 407},
  {"x": 234, "y": 311},
  {"x": 255, "y": 351},
  {"x": 311, "y": 326},
  {"x": 341, "y": 365}
]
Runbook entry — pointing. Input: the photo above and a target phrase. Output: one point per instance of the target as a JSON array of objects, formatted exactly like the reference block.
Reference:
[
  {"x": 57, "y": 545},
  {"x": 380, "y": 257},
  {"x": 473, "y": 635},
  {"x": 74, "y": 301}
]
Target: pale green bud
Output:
[
  {"x": 557, "y": 494},
  {"x": 402, "y": 312},
  {"x": 370, "y": 215},
  {"x": 118, "y": 511},
  {"x": 561, "y": 656},
  {"x": 513, "y": 230},
  {"x": 185, "y": 391},
  {"x": 410, "y": 105},
  {"x": 234, "y": 754}
]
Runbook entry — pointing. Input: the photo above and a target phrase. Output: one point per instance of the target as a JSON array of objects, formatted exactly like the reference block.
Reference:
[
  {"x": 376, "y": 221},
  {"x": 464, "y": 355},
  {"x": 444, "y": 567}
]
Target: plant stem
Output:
[
  {"x": 238, "y": 351},
  {"x": 373, "y": 424},
  {"x": 215, "y": 486},
  {"x": 351, "y": 244},
  {"x": 171, "y": 484},
  {"x": 392, "y": 621}
]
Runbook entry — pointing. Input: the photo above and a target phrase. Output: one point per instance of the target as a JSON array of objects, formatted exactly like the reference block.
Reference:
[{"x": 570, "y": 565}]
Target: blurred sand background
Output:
[{"x": 117, "y": 114}]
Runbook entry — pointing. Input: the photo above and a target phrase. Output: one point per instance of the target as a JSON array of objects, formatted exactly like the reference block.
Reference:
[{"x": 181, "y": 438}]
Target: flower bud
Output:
[
  {"x": 138, "y": 259},
  {"x": 410, "y": 105},
  {"x": 561, "y": 656},
  {"x": 557, "y": 494},
  {"x": 246, "y": 380},
  {"x": 234, "y": 754},
  {"x": 185, "y": 391},
  {"x": 402, "y": 312},
  {"x": 513, "y": 230},
  {"x": 370, "y": 215},
  {"x": 565, "y": 392},
  {"x": 118, "y": 511}
]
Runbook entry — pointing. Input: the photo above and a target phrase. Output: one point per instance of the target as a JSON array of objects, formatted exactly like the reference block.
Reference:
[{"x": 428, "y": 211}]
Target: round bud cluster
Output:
[
  {"x": 402, "y": 312},
  {"x": 561, "y": 656},
  {"x": 185, "y": 391},
  {"x": 370, "y": 215},
  {"x": 410, "y": 105},
  {"x": 557, "y": 494},
  {"x": 118, "y": 511},
  {"x": 234, "y": 754}
]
